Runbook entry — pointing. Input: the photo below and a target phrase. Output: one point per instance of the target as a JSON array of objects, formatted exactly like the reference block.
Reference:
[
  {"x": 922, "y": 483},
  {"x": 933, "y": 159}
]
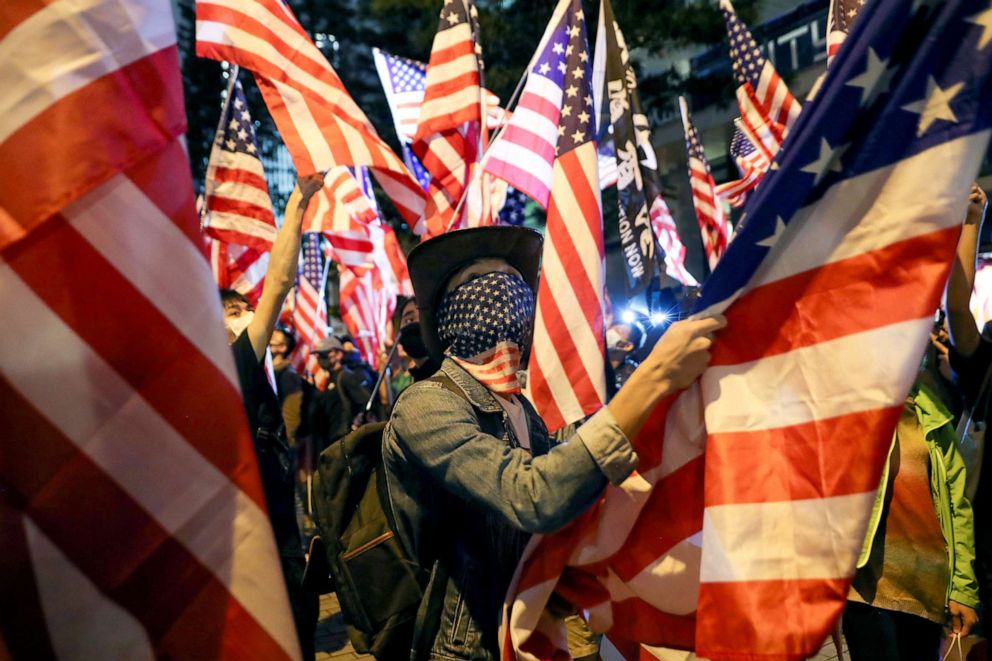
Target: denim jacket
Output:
[{"x": 464, "y": 493}]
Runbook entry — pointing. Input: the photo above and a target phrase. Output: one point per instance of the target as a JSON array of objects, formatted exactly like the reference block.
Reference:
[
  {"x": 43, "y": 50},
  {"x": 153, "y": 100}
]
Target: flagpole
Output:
[{"x": 555, "y": 17}]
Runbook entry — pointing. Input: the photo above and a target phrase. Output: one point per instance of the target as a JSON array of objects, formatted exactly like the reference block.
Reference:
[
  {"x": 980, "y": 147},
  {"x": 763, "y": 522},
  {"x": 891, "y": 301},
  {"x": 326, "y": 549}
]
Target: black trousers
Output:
[{"x": 876, "y": 634}]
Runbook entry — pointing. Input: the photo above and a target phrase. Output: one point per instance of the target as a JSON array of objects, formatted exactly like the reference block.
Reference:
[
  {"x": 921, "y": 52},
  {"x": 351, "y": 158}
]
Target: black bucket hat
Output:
[{"x": 433, "y": 262}]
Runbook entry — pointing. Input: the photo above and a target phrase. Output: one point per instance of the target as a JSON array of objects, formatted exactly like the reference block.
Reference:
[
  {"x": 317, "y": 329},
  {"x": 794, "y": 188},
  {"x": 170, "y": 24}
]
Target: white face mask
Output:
[
  {"x": 613, "y": 338},
  {"x": 237, "y": 325}
]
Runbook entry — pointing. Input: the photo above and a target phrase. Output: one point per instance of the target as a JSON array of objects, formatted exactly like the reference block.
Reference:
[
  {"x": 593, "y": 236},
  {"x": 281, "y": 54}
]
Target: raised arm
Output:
[
  {"x": 283, "y": 260},
  {"x": 963, "y": 329}
]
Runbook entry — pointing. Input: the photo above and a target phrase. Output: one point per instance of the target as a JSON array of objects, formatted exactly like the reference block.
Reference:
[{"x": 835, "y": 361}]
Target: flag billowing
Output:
[
  {"x": 768, "y": 109},
  {"x": 133, "y": 521},
  {"x": 318, "y": 120},
  {"x": 774, "y": 456}
]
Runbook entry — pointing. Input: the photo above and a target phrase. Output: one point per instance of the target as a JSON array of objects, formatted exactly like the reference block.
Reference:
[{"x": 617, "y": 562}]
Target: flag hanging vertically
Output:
[
  {"x": 636, "y": 163},
  {"x": 772, "y": 460},
  {"x": 451, "y": 129},
  {"x": 132, "y": 519},
  {"x": 310, "y": 308},
  {"x": 318, "y": 120},
  {"x": 367, "y": 305},
  {"x": 768, "y": 109},
  {"x": 713, "y": 224},
  {"x": 238, "y": 206},
  {"x": 566, "y": 378}
]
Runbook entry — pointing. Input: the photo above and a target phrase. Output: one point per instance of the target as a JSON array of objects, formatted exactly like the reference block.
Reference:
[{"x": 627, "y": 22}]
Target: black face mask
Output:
[{"x": 412, "y": 342}]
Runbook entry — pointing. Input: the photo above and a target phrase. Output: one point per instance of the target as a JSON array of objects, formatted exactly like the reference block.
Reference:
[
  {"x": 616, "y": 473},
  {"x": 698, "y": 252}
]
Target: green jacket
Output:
[{"x": 947, "y": 480}]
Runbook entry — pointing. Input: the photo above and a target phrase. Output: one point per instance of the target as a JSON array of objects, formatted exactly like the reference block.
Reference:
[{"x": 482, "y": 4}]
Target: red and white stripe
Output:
[
  {"x": 94, "y": 213},
  {"x": 496, "y": 368},
  {"x": 320, "y": 123},
  {"x": 524, "y": 153},
  {"x": 367, "y": 308},
  {"x": 449, "y": 129},
  {"x": 566, "y": 374},
  {"x": 238, "y": 199},
  {"x": 239, "y": 268},
  {"x": 713, "y": 224},
  {"x": 310, "y": 324},
  {"x": 768, "y": 109},
  {"x": 710, "y": 572},
  {"x": 667, "y": 233},
  {"x": 342, "y": 212}
]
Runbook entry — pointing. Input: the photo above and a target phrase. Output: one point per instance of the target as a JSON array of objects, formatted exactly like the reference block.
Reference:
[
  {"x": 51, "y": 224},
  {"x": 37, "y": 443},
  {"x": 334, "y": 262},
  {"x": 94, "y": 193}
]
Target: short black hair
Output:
[
  {"x": 289, "y": 335},
  {"x": 228, "y": 295}
]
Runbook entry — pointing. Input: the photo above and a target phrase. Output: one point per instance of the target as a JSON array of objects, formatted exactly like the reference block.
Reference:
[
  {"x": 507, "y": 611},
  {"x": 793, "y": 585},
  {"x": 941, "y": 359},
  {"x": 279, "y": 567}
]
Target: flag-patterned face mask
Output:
[{"x": 485, "y": 324}]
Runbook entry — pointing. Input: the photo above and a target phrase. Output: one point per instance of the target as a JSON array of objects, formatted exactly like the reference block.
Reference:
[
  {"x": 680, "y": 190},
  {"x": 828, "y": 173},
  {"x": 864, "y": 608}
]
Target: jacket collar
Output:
[{"x": 478, "y": 394}]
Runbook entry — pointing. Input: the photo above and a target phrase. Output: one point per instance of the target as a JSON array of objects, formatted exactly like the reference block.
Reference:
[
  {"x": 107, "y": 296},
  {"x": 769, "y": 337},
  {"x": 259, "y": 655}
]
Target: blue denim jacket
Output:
[{"x": 466, "y": 494}]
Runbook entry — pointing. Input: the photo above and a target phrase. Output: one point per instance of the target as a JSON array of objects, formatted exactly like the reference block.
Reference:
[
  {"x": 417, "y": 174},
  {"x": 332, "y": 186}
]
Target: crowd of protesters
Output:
[{"x": 472, "y": 472}]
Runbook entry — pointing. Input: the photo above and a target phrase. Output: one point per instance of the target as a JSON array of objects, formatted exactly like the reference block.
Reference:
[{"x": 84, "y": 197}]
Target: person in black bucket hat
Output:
[{"x": 470, "y": 467}]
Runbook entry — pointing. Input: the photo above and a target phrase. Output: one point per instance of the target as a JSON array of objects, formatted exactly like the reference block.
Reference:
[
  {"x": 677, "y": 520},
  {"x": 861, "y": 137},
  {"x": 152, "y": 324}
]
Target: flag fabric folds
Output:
[
  {"x": 126, "y": 462},
  {"x": 738, "y": 534},
  {"x": 318, "y": 120},
  {"x": 768, "y": 109},
  {"x": 840, "y": 18},
  {"x": 525, "y": 151},
  {"x": 239, "y": 268},
  {"x": 636, "y": 163},
  {"x": 672, "y": 249},
  {"x": 713, "y": 224},
  {"x": 310, "y": 307},
  {"x": 752, "y": 163},
  {"x": 451, "y": 128},
  {"x": 624, "y": 138},
  {"x": 238, "y": 206},
  {"x": 343, "y": 212},
  {"x": 566, "y": 377},
  {"x": 403, "y": 83}
]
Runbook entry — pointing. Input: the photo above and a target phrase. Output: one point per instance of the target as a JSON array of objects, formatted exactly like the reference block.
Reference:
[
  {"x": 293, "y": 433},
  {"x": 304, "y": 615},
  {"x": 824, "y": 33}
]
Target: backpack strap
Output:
[{"x": 448, "y": 384}]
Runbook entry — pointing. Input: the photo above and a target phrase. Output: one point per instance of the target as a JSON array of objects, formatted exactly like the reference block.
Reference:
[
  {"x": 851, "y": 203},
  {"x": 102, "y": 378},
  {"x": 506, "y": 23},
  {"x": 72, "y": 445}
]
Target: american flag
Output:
[
  {"x": 566, "y": 378},
  {"x": 450, "y": 127},
  {"x": 132, "y": 519},
  {"x": 514, "y": 210},
  {"x": 239, "y": 268},
  {"x": 667, "y": 234},
  {"x": 751, "y": 164},
  {"x": 367, "y": 305},
  {"x": 239, "y": 209},
  {"x": 713, "y": 224},
  {"x": 320, "y": 123},
  {"x": 310, "y": 309},
  {"x": 342, "y": 211},
  {"x": 768, "y": 109},
  {"x": 840, "y": 18},
  {"x": 773, "y": 458},
  {"x": 403, "y": 82}
]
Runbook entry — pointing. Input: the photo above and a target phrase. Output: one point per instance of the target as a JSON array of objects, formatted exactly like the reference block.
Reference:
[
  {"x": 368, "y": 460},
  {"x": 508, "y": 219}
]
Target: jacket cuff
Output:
[
  {"x": 967, "y": 598},
  {"x": 608, "y": 446}
]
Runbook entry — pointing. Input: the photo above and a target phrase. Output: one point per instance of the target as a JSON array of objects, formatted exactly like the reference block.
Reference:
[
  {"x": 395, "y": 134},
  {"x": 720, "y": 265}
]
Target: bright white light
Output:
[
  {"x": 659, "y": 318},
  {"x": 628, "y": 317}
]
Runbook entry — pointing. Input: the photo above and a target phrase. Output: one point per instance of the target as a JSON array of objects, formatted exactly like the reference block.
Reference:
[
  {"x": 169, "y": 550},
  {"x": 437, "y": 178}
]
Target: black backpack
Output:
[{"x": 379, "y": 586}]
